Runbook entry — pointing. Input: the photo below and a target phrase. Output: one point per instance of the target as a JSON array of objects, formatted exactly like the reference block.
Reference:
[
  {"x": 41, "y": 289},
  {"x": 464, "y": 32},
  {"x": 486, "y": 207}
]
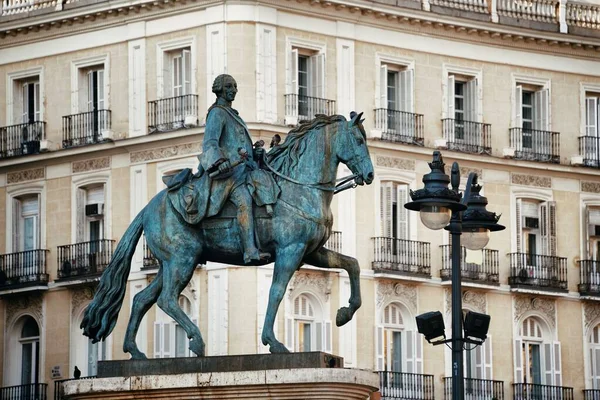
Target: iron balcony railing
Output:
[
  {"x": 32, "y": 391},
  {"x": 399, "y": 126},
  {"x": 402, "y": 385},
  {"x": 486, "y": 272},
  {"x": 59, "y": 386},
  {"x": 477, "y": 389},
  {"x": 86, "y": 258},
  {"x": 306, "y": 107},
  {"x": 335, "y": 241},
  {"x": 402, "y": 256},
  {"x": 589, "y": 278},
  {"x": 23, "y": 268},
  {"x": 591, "y": 394},
  {"x": 534, "y": 270},
  {"x": 172, "y": 113},
  {"x": 150, "y": 262},
  {"x": 85, "y": 128},
  {"x": 21, "y": 139},
  {"x": 589, "y": 150},
  {"x": 535, "y": 145},
  {"x": 531, "y": 391},
  {"x": 467, "y": 136}
]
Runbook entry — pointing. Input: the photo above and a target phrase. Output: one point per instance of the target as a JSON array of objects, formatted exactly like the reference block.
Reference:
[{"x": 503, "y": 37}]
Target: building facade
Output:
[{"x": 101, "y": 100}]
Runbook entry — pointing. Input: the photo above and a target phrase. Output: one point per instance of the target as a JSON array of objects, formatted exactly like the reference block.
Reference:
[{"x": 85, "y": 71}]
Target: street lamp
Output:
[{"x": 441, "y": 207}]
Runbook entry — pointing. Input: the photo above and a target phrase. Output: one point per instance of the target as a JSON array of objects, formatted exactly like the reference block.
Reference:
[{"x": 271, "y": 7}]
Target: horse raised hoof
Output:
[
  {"x": 344, "y": 315},
  {"x": 137, "y": 355},
  {"x": 197, "y": 347},
  {"x": 278, "y": 348}
]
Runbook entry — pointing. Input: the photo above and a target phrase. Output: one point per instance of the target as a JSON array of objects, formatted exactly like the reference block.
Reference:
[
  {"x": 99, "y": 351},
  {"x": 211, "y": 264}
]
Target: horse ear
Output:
[{"x": 356, "y": 118}]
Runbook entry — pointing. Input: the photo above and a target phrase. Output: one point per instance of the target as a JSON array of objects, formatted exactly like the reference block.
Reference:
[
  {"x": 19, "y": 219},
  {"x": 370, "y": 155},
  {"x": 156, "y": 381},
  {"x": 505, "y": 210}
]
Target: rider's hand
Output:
[{"x": 224, "y": 167}]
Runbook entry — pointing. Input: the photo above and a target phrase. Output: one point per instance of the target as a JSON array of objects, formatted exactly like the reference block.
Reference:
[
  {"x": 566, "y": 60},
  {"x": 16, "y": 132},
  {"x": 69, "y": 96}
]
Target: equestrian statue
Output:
[{"x": 244, "y": 206}]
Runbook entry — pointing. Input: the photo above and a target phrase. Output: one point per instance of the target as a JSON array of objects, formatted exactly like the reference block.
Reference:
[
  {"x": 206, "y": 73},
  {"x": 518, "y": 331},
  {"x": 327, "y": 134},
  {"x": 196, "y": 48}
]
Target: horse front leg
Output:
[
  {"x": 325, "y": 258},
  {"x": 287, "y": 262}
]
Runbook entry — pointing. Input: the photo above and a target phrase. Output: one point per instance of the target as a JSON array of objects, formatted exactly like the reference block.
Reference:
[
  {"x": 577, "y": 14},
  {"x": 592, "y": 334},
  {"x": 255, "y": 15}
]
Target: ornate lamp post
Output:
[{"x": 439, "y": 205}]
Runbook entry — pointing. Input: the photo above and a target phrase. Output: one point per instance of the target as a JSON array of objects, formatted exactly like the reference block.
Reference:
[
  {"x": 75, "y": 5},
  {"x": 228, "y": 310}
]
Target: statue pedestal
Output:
[{"x": 290, "y": 376}]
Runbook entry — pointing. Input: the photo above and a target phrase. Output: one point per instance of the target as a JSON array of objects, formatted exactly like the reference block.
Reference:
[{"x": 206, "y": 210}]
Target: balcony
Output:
[
  {"x": 173, "y": 113},
  {"x": 32, "y": 391},
  {"x": 591, "y": 394},
  {"x": 589, "y": 151},
  {"x": 86, "y": 259},
  {"x": 485, "y": 273},
  {"x": 334, "y": 242},
  {"x": 533, "y": 271},
  {"x": 399, "y": 256},
  {"x": 25, "y": 268},
  {"x": 467, "y": 136},
  {"x": 535, "y": 145},
  {"x": 530, "y": 391},
  {"x": 150, "y": 262},
  {"x": 477, "y": 389},
  {"x": 300, "y": 108},
  {"x": 22, "y": 139},
  {"x": 400, "y": 385},
  {"x": 86, "y": 128},
  {"x": 399, "y": 126},
  {"x": 589, "y": 278}
]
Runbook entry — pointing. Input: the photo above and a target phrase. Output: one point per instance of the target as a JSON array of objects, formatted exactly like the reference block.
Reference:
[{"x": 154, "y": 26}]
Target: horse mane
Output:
[{"x": 284, "y": 157}]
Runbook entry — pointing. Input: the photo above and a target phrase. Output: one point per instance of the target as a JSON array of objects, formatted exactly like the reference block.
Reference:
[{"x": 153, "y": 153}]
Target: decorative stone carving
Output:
[
  {"x": 590, "y": 187},
  {"x": 79, "y": 297},
  {"x": 388, "y": 291},
  {"x": 165, "y": 152},
  {"x": 473, "y": 300},
  {"x": 532, "y": 180},
  {"x": 26, "y": 175},
  {"x": 591, "y": 313},
  {"x": 31, "y": 304},
  {"x": 90, "y": 165},
  {"x": 464, "y": 171},
  {"x": 395, "y": 162},
  {"x": 321, "y": 282},
  {"x": 546, "y": 307}
]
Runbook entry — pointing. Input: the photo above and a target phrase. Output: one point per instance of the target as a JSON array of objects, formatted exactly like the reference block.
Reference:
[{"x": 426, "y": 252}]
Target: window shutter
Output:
[
  {"x": 327, "y": 335},
  {"x": 518, "y": 107},
  {"x": 410, "y": 351},
  {"x": 518, "y": 360},
  {"x": 557, "y": 364},
  {"x": 90, "y": 92},
  {"x": 544, "y": 225},
  {"x": 386, "y": 209},
  {"x": 548, "y": 364},
  {"x": 177, "y": 73},
  {"x": 552, "y": 228},
  {"x": 418, "y": 353},
  {"x": 596, "y": 367},
  {"x": 471, "y": 100},
  {"x": 320, "y": 334},
  {"x": 80, "y": 215},
  {"x": 487, "y": 358},
  {"x": 406, "y": 90},
  {"x": 101, "y": 105},
  {"x": 289, "y": 333},
  {"x": 402, "y": 198},
  {"x": 294, "y": 71},
  {"x": 158, "y": 339},
  {"x": 451, "y": 95},
  {"x": 589, "y": 251},
  {"x": 537, "y": 110},
  {"x": 168, "y": 342},
  {"x": 382, "y": 122},
  {"x": 545, "y": 109},
  {"x": 379, "y": 359},
  {"x": 25, "y": 112},
  {"x": 167, "y": 75},
  {"x": 591, "y": 116},
  {"x": 37, "y": 109},
  {"x": 518, "y": 224},
  {"x": 479, "y": 362},
  {"x": 16, "y": 225},
  {"x": 319, "y": 76},
  {"x": 187, "y": 72}
]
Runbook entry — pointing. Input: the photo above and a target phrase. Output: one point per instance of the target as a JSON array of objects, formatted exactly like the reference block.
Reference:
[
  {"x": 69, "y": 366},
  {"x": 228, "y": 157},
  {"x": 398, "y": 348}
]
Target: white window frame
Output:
[
  {"x": 543, "y": 195},
  {"x": 399, "y": 177},
  {"x": 12, "y": 346},
  {"x": 79, "y": 344},
  {"x": 14, "y": 192},
  {"x": 584, "y": 88},
  {"x": 82, "y": 181},
  {"x": 587, "y": 346},
  {"x": 405, "y": 63},
  {"x": 543, "y": 83},
  {"x": 587, "y": 201},
  {"x": 174, "y": 45},
  {"x": 449, "y": 70},
  {"x": 77, "y": 67},
  {"x": 11, "y": 80}
]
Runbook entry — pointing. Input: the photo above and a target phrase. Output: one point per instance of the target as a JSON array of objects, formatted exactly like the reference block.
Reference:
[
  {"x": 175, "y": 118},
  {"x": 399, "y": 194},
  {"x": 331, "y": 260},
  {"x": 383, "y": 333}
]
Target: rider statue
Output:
[{"x": 228, "y": 154}]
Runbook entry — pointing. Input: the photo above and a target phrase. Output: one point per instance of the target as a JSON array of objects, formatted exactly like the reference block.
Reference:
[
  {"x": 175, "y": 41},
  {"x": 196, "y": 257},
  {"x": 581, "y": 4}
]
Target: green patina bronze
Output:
[{"x": 242, "y": 207}]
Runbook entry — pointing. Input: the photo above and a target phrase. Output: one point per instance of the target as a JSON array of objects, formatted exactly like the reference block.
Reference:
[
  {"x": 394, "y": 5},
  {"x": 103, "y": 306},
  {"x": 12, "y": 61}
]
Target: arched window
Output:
[
  {"x": 594, "y": 360},
  {"x": 399, "y": 348},
  {"x": 309, "y": 330},
  {"x": 30, "y": 351},
  {"x": 537, "y": 356},
  {"x": 170, "y": 339}
]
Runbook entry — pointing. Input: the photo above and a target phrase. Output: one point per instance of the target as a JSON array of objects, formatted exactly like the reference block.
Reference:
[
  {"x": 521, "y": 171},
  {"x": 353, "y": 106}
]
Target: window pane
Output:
[
  {"x": 92, "y": 358},
  {"x": 397, "y": 352},
  {"x": 180, "y": 342},
  {"x": 26, "y": 363},
  {"x": 535, "y": 366},
  {"x": 528, "y": 98},
  {"x": 28, "y": 233},
  {"x": 304, "y": 336},
  {"x": 459, "y": 88}
]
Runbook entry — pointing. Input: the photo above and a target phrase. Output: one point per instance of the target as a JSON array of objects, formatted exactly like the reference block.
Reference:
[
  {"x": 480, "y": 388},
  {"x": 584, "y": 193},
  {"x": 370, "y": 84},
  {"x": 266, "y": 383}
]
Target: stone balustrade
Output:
[
  {"x": 10, "y": 7},
  {"x": 583, "y": 15},
  {"x": 533, "y": 10},
  {"x": 480, "y": 6}
]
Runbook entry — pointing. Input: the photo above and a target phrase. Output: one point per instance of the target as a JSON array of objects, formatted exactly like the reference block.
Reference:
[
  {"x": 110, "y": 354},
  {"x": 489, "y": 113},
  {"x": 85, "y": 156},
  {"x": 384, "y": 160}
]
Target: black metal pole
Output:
[{"x": 457, "y": 330}]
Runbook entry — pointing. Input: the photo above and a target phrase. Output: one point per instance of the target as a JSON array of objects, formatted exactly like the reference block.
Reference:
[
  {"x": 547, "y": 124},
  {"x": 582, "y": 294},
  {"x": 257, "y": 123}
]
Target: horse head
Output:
[{"x": 352, "y": 149}]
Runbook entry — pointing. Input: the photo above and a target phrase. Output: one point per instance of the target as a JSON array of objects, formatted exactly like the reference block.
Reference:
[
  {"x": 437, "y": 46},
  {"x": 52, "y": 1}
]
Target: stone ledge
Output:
[{"x": 303, "y": 383}]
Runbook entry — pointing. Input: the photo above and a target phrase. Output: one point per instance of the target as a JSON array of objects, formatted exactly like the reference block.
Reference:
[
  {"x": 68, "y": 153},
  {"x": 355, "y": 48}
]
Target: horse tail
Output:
[{"x": 101, "y": 314}]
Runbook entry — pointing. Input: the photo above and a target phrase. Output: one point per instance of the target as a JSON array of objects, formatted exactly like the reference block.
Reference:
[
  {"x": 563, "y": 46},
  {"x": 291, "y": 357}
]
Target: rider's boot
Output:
[{"x": 243, "y": 201}]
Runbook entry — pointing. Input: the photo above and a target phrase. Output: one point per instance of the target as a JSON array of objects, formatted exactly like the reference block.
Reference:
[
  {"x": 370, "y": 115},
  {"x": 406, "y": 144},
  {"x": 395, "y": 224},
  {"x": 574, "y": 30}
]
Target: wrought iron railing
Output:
[
  {"x": 399, "y": 126},
  {"x": 533, "y": 10},
  {"x": 58, "y": 386},
  {"x": 171, "y": 113},
  {"x": 477, "y": 389},
  {"x": 404, "y": 256},
  {"x": 589, "y": 278},
  {"x": 591, "y": 394},
  {"x": 86, "y": 258},
  {"x": 589, "y": 150},
  {"x": 535, "y": 145},
  {"x": 32, "y": 391},
  {"x": 21, "y": 139},
  {"x": 467, "y": 136},
  {"x": 486, "y": 272},
  {"x": 150, "y": 261},
  {"x": 306, "y": 107},
  {"x": 85, "y": 128},
  {"x": 533, "y": 270},
  {"x": 584, "y": 16},
  {"x": 402, "y": 385},
  {"x": 335, "y": 241},
  {"x": 22, "y": 268},
  {"x": 531, "y": 391}
]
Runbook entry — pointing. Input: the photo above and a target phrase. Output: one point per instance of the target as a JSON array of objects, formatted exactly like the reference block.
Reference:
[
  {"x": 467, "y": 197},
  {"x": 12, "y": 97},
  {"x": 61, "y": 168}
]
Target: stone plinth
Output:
[{"x": 299, "y": 383}]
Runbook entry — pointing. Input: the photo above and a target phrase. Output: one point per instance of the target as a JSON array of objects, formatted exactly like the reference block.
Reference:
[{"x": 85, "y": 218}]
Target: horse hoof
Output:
[
  {"x": 344, "y": 315},
  {"x": 197, "y": 347},
  {"x": 278, "y": 348},
  {"x": 138, "y": 355}
]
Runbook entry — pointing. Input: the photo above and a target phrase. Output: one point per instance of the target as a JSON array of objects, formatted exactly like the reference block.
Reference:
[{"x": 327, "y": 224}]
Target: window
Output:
[
  {"x": 30, "y": 351},
  {"x": 170, "y": 339},
  {"x": 537, "y": 357},
  {"x": 399, "y": 347},
  {"x": 396, "y": 97},
  {"x": 594, "y": 354},
  {"x": 26, "y": 223},
  {"x": 463, "y": 102},
  {"x": 394, "y": 217},
  {"x": 532, "y": 114},
  {"x": 591, "y": 150},
  {"x": 536, "y": 228},
  {"x": 90, "y": 213},
  {"x": 30, "y": 100},
  {"x": 593, "y": 233},
  {"x": 177, "y": 77},
  {"x": 311, "y": 333}
]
